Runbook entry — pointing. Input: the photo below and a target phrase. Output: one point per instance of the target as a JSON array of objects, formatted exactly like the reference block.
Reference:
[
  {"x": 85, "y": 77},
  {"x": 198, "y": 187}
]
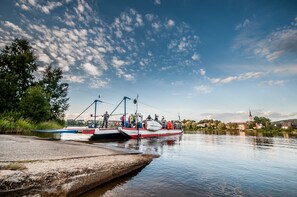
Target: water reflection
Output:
[
  {"x": 148, "y": 146},
  {"x": 211, "y": 165}
]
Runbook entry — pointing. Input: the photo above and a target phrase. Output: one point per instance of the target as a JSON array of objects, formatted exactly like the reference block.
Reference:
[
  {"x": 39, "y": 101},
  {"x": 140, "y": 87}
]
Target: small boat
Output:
[
  {"x": 152, "y": 129},
  {"x": 56, "y": 131}
]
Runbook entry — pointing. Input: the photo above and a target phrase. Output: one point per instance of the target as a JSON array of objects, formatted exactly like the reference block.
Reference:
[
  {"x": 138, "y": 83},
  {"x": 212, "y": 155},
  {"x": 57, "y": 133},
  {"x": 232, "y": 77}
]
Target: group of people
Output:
[
  {"x": 132, "y": 121},
  {"x": 165, "y": 124}
]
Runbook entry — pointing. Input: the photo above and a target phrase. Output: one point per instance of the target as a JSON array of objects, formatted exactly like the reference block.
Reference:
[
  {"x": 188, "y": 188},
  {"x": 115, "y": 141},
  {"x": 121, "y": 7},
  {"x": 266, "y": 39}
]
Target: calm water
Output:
[{"x": 210, "y": 165}]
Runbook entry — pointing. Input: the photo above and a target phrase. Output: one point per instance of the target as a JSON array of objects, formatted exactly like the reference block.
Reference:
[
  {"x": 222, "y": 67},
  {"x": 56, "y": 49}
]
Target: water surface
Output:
[{"x": 210, "y": 165}]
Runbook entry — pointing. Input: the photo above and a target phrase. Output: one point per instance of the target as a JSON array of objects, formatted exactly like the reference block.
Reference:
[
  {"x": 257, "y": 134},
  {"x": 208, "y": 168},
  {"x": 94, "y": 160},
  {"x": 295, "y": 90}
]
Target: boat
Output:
[
  {"x": 56, "y": 131},
  {"x": 103, "y": 133},
  {"x": 152, "y": 129}
]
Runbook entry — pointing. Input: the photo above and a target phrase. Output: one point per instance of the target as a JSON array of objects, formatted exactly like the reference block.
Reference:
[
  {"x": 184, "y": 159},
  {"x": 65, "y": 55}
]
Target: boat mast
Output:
[
  {"x": 95, "y": 112},
  {"x": 125, "y": 113}
]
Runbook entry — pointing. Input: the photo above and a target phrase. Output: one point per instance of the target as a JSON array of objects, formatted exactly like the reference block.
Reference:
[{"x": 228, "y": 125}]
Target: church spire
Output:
[{"x": 250, "y": 115}]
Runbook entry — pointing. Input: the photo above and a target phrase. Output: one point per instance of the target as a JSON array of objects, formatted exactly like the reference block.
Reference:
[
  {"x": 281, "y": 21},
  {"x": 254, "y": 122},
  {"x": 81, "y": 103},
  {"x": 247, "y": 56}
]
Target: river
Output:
[{"x": 210, "y": 165}]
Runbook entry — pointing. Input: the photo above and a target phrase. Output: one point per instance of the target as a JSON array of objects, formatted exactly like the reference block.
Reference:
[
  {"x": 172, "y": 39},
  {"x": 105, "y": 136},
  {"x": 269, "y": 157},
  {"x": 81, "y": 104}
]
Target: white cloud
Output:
[
  {"x": 45, "y": 58},
  {"x": 99, "y": 83},
  {"x": 117, "y": 63},
  {"x": 157, "y": 2},
  {"x": 128, "y": 77},
  {"x": 203, "y": 89},
  {"x": 149, "y": 17},
  {"x": 202, "y": 72},
  {"x": 195, "y": 57},
  {"x": 73, "y": 78},
  {"x": 243, "y": 24},
  {"x": 273, "y": 83},
  {"x": 91, "y": 69},
  {"x": 156, "y": 26},
  {"x": 170, "y": 23},
  {"x": 13, "y": 26},
  {"x": 139, "y": 21},
  {"x": 272, "y": 46},
  {"x": 243, "y": 76}
]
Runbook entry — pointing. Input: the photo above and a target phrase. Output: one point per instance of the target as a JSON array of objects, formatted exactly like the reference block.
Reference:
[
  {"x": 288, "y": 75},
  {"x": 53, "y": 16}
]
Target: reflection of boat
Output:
[{"x": 150, "y": 131}]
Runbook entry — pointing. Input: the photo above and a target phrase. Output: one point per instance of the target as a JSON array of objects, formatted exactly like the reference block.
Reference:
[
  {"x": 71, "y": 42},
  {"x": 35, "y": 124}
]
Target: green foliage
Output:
[
  {"x": 19, "y": 92},
  {"x": 262, "y": 120},
  {"x": 56, "y": 90},
  {"x": 221, "y": 126},
  {"x": 17, "y": 64},
  {"x": 48, "y": 125},
  {"x": 232, "y": 125},
  {"x": 34, "y": 105},
  {"x": 14, "y": 166}
]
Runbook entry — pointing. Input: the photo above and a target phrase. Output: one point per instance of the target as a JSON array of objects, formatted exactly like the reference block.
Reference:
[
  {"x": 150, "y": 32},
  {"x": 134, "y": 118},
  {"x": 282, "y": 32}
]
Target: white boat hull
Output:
[{"x": 143, "y": 133}]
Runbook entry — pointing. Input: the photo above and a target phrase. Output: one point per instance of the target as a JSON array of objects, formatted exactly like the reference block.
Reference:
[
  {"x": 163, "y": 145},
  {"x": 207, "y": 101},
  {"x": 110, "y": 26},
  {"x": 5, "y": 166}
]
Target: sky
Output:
[{"x": 199, "y": 59}]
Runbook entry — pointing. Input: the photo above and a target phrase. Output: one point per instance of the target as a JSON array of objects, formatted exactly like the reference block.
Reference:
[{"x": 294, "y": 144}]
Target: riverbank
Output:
[
  {"x": 30, "y": 166},
  {"x": 252, "y": 132}
]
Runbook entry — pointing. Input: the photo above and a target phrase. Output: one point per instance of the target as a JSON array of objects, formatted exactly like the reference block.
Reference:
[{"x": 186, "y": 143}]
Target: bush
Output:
[{"x": 48, "y": 125}]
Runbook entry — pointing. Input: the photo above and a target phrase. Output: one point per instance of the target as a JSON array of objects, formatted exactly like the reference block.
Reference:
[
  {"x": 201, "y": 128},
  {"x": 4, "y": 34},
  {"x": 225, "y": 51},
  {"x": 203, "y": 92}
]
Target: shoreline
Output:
[{"x": 73, "y": 172}]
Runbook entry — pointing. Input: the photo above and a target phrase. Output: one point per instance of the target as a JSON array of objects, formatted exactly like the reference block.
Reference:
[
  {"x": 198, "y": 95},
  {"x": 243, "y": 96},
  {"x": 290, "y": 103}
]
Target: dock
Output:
[{"x": 35, "y": 166}]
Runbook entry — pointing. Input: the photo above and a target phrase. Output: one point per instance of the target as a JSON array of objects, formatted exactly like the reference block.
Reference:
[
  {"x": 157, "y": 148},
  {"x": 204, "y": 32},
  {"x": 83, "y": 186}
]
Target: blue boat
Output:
[{"x": 56, "y": 131}]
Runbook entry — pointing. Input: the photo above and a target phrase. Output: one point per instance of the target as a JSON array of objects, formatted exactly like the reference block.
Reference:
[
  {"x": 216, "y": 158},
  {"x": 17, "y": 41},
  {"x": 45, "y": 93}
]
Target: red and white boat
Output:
[{"x": 152, "y": 129}]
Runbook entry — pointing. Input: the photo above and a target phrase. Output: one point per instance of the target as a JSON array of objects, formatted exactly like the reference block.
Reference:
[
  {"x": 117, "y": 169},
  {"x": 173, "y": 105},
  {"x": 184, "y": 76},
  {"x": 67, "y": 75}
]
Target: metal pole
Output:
[
  {"x": 95, "y": 114},
  {"x": 125, "y": 112}
]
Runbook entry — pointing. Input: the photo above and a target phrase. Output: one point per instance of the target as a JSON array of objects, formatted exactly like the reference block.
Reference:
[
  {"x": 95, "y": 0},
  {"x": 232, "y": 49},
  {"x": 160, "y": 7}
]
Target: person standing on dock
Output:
[
  {"x": 123, "y": 120},
  {"x": 105, "y": 119}
]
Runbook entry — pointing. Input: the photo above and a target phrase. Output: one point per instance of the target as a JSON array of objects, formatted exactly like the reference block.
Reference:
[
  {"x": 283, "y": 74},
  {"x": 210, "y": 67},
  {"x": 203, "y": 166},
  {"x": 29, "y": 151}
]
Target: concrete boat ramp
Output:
[{"x": 31, "y": 166}]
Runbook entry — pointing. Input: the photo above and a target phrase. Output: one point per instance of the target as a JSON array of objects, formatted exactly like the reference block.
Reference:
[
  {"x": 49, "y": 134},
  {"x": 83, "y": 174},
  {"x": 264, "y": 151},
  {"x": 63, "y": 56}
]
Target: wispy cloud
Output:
[
  {"x": 273, "y": 83},
  {"x": 82, "y": 43},
  {"x": 203, "y": 89},
  {"x": 243, "y": 76},
  {"x": 242, "y": 25},
  {"x": 202, "y": 72},
  {"x": 272, "y": 46},
  {"x": 157, "y": 2}
]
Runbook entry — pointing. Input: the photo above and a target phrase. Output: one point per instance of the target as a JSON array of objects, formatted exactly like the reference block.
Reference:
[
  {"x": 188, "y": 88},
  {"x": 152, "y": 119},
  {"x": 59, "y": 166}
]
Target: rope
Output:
[{"x": 84, "y": 111}]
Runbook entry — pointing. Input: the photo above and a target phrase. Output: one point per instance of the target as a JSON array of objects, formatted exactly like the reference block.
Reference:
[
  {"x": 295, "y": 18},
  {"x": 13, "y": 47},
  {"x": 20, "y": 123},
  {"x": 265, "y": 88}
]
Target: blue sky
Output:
[{"x": 202, "y": 59}]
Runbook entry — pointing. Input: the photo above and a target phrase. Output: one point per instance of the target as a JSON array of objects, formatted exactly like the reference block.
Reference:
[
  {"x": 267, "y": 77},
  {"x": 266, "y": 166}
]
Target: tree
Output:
[
  {"x": 266, "y": 122},
  {"x": 221, "y": 126},
  {"x": 232, "y": 125},
  {"x": 56, "y": 90},
  {"x": 34, "y": 104},
  {"x": 17, "y": 64}
]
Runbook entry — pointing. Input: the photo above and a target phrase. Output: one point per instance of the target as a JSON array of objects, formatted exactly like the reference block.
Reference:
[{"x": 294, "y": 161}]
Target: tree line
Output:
[
  {"x": 23, "y": 94},
  {"x": 217, "y": 124}
]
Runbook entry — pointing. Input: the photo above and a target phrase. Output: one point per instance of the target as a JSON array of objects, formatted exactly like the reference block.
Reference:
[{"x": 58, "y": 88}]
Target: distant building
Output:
[
  {"x": 242, "y": 126},
  {"x": 258, "y": 126},
  {"x": 286, "y": 125}
]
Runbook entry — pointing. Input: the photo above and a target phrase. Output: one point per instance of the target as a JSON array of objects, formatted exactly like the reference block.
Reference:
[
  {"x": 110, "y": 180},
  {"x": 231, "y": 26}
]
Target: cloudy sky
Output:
[{"x": 200, "y": 59}]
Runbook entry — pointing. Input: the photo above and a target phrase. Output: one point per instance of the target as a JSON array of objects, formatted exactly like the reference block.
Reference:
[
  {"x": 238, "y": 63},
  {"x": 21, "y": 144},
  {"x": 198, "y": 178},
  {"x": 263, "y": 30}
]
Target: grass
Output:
[
  {"x": 14, "y": 166},
  {"x": 9, "y": 125}
]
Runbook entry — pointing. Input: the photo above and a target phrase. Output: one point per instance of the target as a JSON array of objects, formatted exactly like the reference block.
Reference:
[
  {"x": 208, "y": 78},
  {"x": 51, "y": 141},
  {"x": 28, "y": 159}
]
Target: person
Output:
[
  {"x": 164, "y": 122},
  {"x": 156, "y": 118},
  {"x": 123, "y": 120},
  {"x": 169, "y": 125},
  {"x": 105, "y": 119},
  {"x": 149, "y": 117},
  {"x": 132, "y": 120}
]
